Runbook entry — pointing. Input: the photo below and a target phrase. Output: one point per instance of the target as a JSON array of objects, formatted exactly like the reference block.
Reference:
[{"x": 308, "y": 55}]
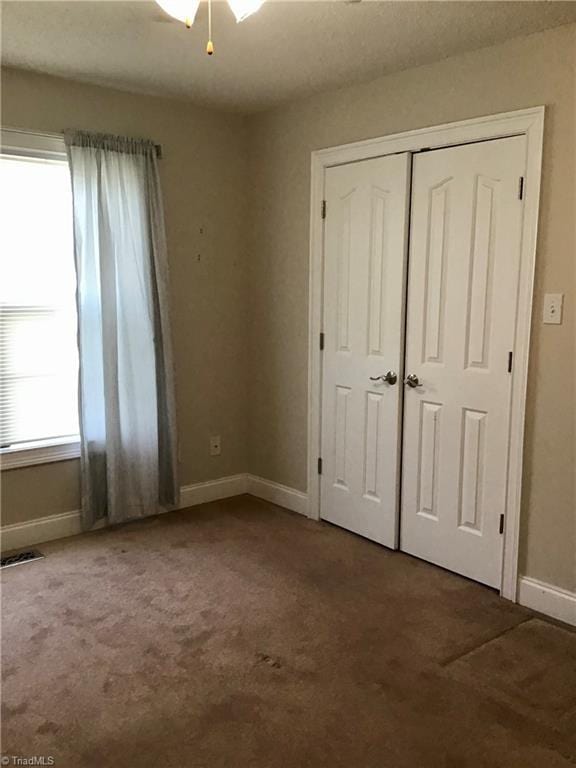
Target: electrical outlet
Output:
[
  {"x": 215, "y": 445},
  {"x": 553, "y": 308}
]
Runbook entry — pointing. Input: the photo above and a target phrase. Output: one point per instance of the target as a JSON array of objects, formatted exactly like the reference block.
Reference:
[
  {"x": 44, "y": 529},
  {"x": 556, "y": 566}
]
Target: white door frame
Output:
[{"x": 526, "y": 122}]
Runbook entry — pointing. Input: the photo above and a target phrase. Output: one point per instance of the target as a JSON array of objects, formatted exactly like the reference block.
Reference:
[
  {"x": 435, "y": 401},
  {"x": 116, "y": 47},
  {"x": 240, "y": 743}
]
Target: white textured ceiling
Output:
[{"x": 286, "y": 50}]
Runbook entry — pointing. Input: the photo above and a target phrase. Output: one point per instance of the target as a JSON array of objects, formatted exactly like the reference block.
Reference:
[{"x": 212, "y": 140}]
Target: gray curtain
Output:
[{"x": 127, "y": 410}]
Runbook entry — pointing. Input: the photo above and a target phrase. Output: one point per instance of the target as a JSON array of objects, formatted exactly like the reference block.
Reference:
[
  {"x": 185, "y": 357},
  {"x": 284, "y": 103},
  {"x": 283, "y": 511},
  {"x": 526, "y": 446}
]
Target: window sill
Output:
[{"x": 39, "y": 453}]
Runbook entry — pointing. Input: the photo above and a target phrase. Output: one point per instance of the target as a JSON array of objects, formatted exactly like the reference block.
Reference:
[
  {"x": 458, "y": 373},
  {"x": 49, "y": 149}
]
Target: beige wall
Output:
[
  {"x": 521, "y": 73},
  {"x": 203, "y": 177}
]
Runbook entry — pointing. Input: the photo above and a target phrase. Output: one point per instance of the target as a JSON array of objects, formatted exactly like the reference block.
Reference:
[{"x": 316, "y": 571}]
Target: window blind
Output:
[{"x": 38, "y": 347}]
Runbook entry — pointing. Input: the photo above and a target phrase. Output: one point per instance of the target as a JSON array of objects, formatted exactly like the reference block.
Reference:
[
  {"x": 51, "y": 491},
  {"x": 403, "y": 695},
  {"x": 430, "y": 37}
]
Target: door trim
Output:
[{"x": 526, "y": 122}]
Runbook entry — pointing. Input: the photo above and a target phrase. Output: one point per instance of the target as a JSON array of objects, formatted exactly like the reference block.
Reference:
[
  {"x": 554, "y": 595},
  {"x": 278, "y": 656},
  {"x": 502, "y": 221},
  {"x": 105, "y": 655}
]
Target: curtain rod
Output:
[
  {"x": 51, "y": 135},
  {"x": 158, "y": 147}
]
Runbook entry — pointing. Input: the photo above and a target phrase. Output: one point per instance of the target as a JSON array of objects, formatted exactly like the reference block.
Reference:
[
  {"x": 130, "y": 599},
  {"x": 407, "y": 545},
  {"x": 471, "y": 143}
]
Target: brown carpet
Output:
[{"x": 239, "y": 635}]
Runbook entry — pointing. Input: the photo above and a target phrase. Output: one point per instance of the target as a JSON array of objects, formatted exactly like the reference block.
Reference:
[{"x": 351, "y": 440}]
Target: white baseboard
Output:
[
  {"x": 38, "y": 531},
  {"x": 278, "y": 494},
  {"x": 553, "y": 601},
  {"x": 43, "y": 529},
  {"x": 212, "y": 490}
]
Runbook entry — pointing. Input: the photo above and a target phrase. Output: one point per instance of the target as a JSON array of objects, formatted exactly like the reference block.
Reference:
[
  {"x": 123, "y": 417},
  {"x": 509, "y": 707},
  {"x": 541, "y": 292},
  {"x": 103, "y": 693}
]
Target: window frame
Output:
[{"x": 46, "y": 146}]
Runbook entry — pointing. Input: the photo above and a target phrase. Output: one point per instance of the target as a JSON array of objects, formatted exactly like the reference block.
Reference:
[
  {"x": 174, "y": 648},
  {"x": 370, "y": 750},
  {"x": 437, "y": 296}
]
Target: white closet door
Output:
[
  {"x": 364, "y": 276},
  {"x": 462, "y": 294}
]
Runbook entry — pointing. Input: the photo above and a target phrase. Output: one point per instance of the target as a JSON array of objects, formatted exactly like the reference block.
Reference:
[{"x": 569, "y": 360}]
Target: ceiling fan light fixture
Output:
[
  {"x": 183, "y": 10},
  {"x": 244, "y": 8}
]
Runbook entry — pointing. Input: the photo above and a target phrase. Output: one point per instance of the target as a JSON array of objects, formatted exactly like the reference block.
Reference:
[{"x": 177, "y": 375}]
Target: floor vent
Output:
[{"x": 20, "y": 558}]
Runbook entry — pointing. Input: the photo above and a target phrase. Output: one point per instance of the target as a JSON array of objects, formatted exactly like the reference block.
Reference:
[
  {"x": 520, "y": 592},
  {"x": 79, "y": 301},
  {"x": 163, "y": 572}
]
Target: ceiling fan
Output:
[{"x": 185, "y": 10}]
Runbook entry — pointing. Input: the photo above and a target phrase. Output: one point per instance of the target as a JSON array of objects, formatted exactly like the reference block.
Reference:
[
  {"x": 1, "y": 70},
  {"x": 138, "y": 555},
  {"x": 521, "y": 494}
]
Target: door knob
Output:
[
  {"x": 389, "y": 378},
  {"x": 412, "y": 380}
]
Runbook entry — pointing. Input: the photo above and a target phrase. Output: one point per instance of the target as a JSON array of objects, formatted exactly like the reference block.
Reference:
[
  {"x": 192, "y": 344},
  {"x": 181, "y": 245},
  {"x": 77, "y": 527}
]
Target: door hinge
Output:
[
  {"x": 321, "y": 342},
  {"x": 323, "y": 209},
  {"x": 510, "y": 357},
  {"x": 319, "y": 466},
  {"x": 501, "y": 529},
  {"x": 521, "y": 188}
]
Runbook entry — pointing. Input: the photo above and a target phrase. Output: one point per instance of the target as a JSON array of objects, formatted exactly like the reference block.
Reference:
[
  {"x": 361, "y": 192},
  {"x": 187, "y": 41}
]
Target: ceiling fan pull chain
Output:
[{"x": 209, "y": 44}]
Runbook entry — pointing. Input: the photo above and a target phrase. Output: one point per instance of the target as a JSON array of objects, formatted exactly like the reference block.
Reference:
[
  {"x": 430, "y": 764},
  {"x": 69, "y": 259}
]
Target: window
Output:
[{"x": 38, "y": 346}]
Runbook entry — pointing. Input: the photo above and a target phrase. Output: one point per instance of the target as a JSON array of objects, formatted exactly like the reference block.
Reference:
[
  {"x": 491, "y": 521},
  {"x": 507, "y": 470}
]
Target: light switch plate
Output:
[{"x": 553, "y": 308}]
